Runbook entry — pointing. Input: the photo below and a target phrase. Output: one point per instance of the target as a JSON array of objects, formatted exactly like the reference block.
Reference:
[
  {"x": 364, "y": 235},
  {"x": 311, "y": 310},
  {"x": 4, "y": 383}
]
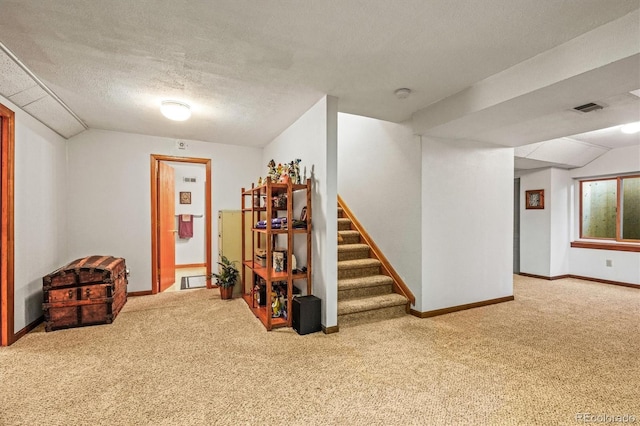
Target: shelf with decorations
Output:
[{"x": 270, "y": 267}]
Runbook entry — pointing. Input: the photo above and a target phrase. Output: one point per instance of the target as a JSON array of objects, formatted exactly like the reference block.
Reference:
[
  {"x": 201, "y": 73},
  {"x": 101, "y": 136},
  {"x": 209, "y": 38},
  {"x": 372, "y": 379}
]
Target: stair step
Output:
[
  {"x": 353, "y": 288},
  {"x": 358, "y": 263},
  {"x": 372, "y": 281},
  {"x": 340, "y": 212},
  {"x": 344, "y": 224},
  {"x": 349, "y": 237},
  {"x": 365, "y": 304},
  {"x": 358, "y": 268},
  {"x": 352, "y": 251}
]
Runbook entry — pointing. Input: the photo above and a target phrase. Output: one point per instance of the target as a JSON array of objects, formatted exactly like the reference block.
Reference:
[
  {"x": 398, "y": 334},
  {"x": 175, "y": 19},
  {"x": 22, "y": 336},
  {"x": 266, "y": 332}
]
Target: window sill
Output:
[{"x": 607, "y": 246}]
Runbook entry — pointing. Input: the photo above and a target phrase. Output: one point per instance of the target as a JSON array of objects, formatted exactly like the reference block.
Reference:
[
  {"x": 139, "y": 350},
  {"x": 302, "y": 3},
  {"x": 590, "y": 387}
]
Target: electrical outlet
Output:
[{"x": 609, "y": 262}]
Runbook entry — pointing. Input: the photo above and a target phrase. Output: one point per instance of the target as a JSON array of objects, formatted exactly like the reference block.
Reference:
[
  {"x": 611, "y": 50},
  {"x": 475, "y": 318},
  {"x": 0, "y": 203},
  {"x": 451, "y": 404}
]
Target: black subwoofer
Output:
[{"x": 306, "y": 314}]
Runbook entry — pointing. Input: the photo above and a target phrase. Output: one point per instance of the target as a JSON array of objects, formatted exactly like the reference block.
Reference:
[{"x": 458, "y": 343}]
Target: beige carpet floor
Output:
[{"x": 188, "y": 358}]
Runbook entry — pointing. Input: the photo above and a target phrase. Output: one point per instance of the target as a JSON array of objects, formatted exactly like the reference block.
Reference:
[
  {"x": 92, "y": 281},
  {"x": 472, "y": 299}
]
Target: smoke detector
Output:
[{"x": 402, "y": 93}]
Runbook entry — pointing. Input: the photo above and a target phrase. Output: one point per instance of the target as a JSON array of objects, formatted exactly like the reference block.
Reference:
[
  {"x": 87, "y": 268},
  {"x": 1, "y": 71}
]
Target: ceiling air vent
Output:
[{"x": 588, "y": 107}]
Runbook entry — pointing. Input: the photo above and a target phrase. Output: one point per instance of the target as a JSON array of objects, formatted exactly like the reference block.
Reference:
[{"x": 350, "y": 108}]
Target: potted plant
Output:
[{"x": 226, "y": 278}]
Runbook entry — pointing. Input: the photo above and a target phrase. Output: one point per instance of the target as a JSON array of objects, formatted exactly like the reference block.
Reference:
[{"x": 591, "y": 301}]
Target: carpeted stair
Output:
[{"x": 364, "y": 293}]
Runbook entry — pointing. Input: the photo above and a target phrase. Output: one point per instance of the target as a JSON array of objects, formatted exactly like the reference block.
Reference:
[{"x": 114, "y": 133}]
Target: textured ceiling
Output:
[{"x": 250, "y": 68}]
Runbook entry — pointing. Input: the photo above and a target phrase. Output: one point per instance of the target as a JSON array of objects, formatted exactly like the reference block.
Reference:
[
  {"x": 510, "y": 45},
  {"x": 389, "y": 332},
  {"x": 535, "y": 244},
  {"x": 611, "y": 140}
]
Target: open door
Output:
[
  {"x": 166, "y": 227},
  {"x": 163, "y": 235}
]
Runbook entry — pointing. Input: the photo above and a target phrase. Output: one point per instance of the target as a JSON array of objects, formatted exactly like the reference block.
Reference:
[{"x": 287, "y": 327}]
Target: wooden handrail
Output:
[{"x": 398, "y": 283}]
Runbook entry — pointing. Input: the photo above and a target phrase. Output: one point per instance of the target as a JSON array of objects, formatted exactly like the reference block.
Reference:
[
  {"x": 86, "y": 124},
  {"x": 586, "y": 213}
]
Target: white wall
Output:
[
  {"x": 535, "y": 225},
  {"x": 467, "y": 223},
  {"x": 558, "y": 203},
  {"x": 592, "y": 263},
  {"x": 110, "y": 192},
  {"x": 40, "y": 212},
  {"x": 313, "y": 139},
  {"x": 191, "y": 250},
  {"x": 379, "y": 169}
]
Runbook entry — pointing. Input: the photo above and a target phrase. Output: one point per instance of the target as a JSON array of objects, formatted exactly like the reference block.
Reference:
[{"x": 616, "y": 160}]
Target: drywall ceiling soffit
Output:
[
  {"x": 250, "y": 71},
  {"x": 611, "y": 137},
  {"x": 20, "y": 88},
  {"x": 563, "y": 151},
  {"x": 530, "y": 164},
  {"x": 548, "y": 113}
]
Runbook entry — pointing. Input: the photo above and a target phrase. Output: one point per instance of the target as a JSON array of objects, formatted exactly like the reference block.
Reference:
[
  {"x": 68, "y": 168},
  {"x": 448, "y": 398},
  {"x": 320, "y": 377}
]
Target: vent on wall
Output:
[
  {"x": 188, "y": 179},
  {"x": 588, "y": 107}
]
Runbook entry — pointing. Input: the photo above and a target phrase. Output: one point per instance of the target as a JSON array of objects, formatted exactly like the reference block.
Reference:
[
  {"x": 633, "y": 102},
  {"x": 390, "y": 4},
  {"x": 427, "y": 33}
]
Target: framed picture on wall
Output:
[
  {"x": 534, "y": 199},
  {"x": 185, "y": 197}
]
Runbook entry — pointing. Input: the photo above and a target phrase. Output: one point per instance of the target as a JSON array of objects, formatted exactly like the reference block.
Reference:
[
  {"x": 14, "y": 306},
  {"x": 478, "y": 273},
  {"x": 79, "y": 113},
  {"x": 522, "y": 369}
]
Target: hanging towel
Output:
[{"x": 185, "y": 226}]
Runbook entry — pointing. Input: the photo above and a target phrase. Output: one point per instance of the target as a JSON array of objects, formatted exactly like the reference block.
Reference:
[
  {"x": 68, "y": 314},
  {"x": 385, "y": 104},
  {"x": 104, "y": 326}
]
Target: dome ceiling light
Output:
[
  {"x": 176, "y": 111},
  {"x": 631, "y": 128}
]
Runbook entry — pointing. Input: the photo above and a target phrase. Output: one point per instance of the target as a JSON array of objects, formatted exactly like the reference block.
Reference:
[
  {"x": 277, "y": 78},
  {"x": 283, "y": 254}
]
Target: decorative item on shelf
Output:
[
  {"x": 275, "y": 305},
  {"x": 279, "y": 264},
  {"x": 283, "y": 304},
  {"x": 279, "y": 300},
  {"x": 280, "y": 201},
  {"x": 294, "y": 171},
  {"x": 226, "y": 278},
  {"x": 261, "y": 257},
  {"x": 260, "y": 181},
  {"x": 259, "y": 292},
  {"x": 272, "y": 173},
  {"x": 279, "y": 171},
  {"x": 256, "y": 295}
]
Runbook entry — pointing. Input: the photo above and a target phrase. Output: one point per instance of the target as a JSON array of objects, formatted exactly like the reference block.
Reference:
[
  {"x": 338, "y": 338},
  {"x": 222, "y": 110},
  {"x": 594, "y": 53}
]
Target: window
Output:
[{"x": 610, "y": 208}]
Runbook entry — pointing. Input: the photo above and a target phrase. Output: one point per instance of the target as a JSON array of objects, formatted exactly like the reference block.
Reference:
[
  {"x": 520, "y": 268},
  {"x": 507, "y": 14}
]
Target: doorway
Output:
[
  {"x": 164, "y": 218},
  {"x": 7, "y": 135},
  {"x": 190, "y": 270}
]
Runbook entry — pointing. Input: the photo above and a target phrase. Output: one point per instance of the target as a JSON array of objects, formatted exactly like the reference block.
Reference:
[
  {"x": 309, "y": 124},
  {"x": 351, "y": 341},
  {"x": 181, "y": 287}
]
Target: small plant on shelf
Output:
[{"x": 226, "y": 278}]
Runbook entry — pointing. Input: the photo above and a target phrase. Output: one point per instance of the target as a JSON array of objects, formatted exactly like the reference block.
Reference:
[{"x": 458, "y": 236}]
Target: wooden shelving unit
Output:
[{"x": 258, "y": 204}]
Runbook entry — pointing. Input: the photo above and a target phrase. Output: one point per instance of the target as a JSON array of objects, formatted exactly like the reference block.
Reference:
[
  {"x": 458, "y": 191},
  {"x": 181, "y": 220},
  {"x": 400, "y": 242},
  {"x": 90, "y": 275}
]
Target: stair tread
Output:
[
  {"x": 358, "y": 263},
  {"x": 353, "y": 306},
  {"x": 352, "y": 247},
  {"x": 363, "y": 282},
  {"x": 350, "y": 232}
]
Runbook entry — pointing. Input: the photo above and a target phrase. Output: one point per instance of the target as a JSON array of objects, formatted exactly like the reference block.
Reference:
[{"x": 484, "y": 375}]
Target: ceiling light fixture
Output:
[
  {"x": 402, "y": 93},
  {"x": 631, "y": 128},
  {"x": 176, "y": 111}
]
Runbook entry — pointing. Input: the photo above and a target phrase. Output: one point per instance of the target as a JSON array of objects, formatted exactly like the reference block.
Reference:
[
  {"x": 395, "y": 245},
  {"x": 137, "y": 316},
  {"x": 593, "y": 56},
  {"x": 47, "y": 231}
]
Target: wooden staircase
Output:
[{"x": 368, "y": 288}]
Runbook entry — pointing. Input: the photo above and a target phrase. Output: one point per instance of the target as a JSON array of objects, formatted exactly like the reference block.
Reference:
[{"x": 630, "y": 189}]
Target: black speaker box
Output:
[{"x": 306, "y": 314}]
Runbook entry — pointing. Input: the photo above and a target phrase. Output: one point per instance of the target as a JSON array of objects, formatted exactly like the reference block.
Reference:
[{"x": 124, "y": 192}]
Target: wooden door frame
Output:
[
  {"x": 7, "y": 153},
  {"x": 155, "y": 246}
]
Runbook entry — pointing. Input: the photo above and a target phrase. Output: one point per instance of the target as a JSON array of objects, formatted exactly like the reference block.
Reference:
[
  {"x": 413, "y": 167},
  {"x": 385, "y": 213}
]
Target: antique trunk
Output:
[{"x": 87, "y": 291}]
